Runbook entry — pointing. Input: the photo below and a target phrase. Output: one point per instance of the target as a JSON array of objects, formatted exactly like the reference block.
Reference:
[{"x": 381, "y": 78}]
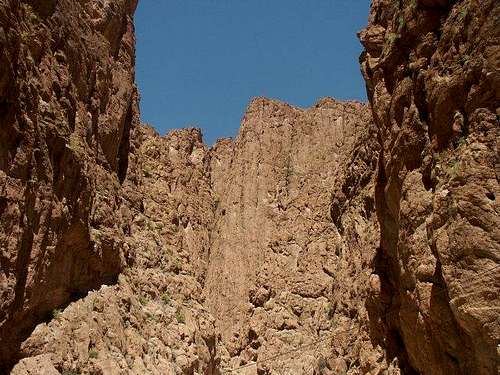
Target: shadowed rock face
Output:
[
  {"x": 68, "y": 113},
  {"x": 431, "y": 70},
  {"x": 152, "y": 320}
]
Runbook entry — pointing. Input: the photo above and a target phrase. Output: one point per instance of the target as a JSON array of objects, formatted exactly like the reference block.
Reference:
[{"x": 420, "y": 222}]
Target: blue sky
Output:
[{"x": 199, "y": 62}]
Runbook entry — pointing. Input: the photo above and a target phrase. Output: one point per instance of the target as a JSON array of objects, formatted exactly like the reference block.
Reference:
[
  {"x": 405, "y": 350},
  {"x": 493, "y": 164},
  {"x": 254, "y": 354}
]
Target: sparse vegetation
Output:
[
  {"x": 176, "y": 265},
  {"x": 56, "y": 313},
  {"x": 93, "y": 354},
  {"x": 391, "y": 37},
  {"x": 322, "y": 364},
  {"x": 130, "y": 362},
  {"x": 401, "y": 23},
  {"x": 143, "y": 300},
  {"x": 331, "y": 310},
  {"x": 166, "y": 298},
  {"x": 463, "y": 14},
  {"x": 179, "y": 315}
]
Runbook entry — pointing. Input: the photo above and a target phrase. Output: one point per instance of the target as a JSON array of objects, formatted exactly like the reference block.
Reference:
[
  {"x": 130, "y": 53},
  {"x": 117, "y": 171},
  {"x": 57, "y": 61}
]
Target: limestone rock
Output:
[
  {"x": 294, "y": 235},
  {"x": 337, "y": 239},
  {"x": 68, "y": 115},
  {"x": 152, "y": 321},
  {"x": 433, "y": 86}
]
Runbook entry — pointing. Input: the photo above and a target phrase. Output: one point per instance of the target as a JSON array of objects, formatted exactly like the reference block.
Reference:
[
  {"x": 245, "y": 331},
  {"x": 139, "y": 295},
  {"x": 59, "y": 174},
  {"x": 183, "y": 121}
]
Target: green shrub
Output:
[
  {"x": 391, "y": 37},
  {"x": 56, "y": 313},
  {"x": 179, "y": 315},
  {"x": 401, "y": 23}
]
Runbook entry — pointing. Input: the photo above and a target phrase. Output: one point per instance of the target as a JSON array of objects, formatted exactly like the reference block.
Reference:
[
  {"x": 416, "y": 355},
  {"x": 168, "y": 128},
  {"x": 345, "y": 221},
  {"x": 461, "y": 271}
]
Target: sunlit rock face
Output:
[
  {"x": 344, "y": 238},
  {"x": 236, "y": 254},
  {"x": 431, "y": 69},
  {"x": 294, "y": 236}
]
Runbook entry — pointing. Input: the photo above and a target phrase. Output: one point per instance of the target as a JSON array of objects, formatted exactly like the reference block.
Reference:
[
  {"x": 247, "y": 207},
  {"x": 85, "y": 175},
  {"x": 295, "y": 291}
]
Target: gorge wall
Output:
[
  {"x": 344, "y": 238},
  {"x": 285, "y": 270},
  {"x": 68, "y": 114},
  {"x": 431, "y": 68}
]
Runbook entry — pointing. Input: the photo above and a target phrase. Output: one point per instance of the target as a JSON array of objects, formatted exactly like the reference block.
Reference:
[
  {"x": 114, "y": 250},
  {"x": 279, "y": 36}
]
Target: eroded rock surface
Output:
[
  {"x": 294, "y": 235},
  {"x": 152, "y": 321},
  {"x": 431, "y": 69},
  {"x": 238, "y": 254},
  {"x": 317, "y": 242},
  {"x": 68, "y": 113}
]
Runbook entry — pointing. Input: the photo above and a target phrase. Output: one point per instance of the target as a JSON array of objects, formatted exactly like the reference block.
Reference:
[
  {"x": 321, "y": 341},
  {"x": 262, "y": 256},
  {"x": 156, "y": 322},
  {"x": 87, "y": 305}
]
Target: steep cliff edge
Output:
[
  {"x": 68, "y": 113},
  {"x": 431, "y": 70},
  {"x": 287, "y": 267},
  {"x": 152, "y": 321}
]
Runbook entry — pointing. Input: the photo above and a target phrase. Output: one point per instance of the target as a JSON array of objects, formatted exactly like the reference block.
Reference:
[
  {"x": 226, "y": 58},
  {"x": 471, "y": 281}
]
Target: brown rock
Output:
[
  {"x": 282, "y": 253},
  {"x": 68, "y": 114},
  {"x": 434, "y": 91}
]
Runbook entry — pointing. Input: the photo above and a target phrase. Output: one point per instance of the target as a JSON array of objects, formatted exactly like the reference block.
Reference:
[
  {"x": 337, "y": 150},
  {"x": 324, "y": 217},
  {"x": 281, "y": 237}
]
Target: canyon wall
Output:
[
  {"x": 431, "y": 70},
  {"x": 68, "y": 113},
  {"x": 238, "y": 255},
  {"x": 152, "y": 320},
  {"x": 343, "y": 238},
  {"x": 289, "y": 268}
]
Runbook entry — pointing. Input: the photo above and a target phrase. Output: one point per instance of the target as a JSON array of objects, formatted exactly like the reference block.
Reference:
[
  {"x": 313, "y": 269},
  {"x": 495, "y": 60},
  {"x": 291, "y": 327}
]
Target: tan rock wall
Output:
[
  {"x": 152, "y": 321},
  {"x": 431, "y": 69},
  {"x": 288, "y": 267}
]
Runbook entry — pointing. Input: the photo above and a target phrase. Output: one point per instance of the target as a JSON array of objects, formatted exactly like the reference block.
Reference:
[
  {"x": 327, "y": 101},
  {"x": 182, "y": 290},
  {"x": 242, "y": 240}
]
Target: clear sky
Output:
[{"x": 199, "y": 62}]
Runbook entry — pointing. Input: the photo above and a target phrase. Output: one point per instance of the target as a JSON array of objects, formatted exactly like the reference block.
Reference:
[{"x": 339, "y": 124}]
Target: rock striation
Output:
[
  {"x": 294, "y": 235},
  {"x": 68, "y": 114},
  {"x": 431, "y": 70},
  {"x": 344, "y": 238}
]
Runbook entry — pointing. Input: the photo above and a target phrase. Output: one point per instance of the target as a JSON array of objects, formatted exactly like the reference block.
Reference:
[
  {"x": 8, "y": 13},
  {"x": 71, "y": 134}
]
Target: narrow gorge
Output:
[{"x": 345, "y": 238}]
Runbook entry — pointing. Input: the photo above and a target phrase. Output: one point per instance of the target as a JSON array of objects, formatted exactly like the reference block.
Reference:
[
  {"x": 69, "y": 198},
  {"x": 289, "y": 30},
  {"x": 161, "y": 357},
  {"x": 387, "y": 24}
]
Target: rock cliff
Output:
[
  {"x": 237, "y": 255},
  {"x": 344, "y": 238},
  {"x": 152, "y": 320},
  {"x": 68, "y": 113},
  {"x": 294, "y": 235},
  {"x": 431, "y": 69}
]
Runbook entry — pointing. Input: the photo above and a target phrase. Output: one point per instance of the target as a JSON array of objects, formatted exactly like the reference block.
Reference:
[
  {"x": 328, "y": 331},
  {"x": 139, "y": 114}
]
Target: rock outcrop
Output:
[
  {"x": 68, "y": 113},
  {"x": 431, "y": 69},
  {"x": 237, "y": 255},
  {"x": 294, "y": 235},
  {"x": 327, "y": 240},
  {"x": 152, "y": 321}
]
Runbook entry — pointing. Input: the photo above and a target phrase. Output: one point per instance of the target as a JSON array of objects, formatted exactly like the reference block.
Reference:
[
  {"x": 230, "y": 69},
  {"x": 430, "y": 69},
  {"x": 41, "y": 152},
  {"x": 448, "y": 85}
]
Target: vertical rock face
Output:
[
  {"x": 317, "y": 242},
  {"x": 287, "y": 266},
  {"x": 237, "y": 254},
  {"x": 431, "y": 69},
  {"x": 152, "y": 321},
  {"x": 68, "y": 113}
]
